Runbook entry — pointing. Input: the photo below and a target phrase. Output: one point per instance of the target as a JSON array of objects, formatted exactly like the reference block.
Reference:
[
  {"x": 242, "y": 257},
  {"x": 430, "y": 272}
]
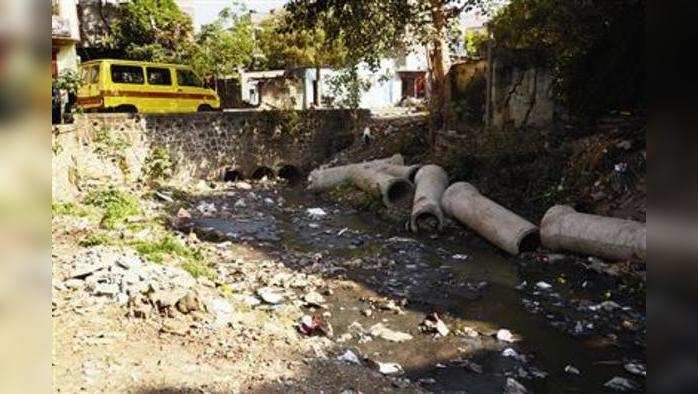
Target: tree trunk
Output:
[
  {"x": 440, "y": 94},
  {"x": 318, "y": 87}
]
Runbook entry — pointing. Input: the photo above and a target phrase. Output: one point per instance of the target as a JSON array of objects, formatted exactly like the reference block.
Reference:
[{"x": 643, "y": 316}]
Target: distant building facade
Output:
[{"x": 65, "y": 35}]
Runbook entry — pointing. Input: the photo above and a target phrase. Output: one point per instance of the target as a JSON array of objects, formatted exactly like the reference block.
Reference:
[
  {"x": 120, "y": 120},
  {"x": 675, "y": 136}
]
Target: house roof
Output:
[{"x": 270, "y": 74}]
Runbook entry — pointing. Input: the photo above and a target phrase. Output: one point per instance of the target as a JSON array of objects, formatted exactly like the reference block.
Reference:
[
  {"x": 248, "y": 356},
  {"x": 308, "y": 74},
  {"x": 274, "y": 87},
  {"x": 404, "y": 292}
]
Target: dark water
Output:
[{"x": 481, "y": 291}]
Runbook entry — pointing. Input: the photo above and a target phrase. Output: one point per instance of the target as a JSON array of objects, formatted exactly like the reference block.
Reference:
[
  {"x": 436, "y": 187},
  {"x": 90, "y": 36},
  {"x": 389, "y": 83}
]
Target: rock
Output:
[
  {"x": 505, "y": 335},
  {"x": 84, "y": 270},
  {"x": 251, "y": 300},
  {"x": 222, "y": 312},
  {"x": 386, "y": 368},
  {"x": 240, "y": 203},
  {"x": 129, "y": 262},
  {"x": 471, "y": 366},
  {"x": 470, "y": 332},
  {"x": 432, "y": 323},
  {"x": 512, "y": 386},
  {"x": 316, "y": 213},
  {"x": 608, "y": 306},
  {"x": 367, "y": 312},
  {"x": 427, "y": 381},
  {"x": 459, "y": 257},
  {"x": 381, "y": 331},
  {"x": 544, "y": 286},
  {"x": 314, "y": 298},
  {"x": 270, "y": 296},
  {"x": 74, "y": 284},
  {"x": 349, "y": 357},
  {"x": 243, "y": 185},
  {"x": 269, "y": 201},
  {"x": 572, "y": 370},
  {"x": 621, "y": 384},
  {"x": 344, "y": 337},
  {"x": 188, "y": 303},
  {"x": 174, "y": 327},
  {"x": 636, "y": 369},
  {"x": 106, "y": 289}
]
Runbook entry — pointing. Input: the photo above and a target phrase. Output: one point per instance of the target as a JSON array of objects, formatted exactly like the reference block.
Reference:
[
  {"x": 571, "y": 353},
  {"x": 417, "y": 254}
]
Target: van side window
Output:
[
  {"x": 159, "y": 76},
  {"x": 127, "y": 74},
  {"x": 187, "y": 78}
]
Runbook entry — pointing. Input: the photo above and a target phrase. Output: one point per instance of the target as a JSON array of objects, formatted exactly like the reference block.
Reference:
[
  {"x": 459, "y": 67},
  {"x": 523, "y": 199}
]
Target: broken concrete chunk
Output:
[
  {"x": 380, "y": 331},
  {"x": 432, "y": 323},
  {"x": 512, "y": 386},
  {"x": 106, "y": 289},
  {"x": 270, "y": 296},
  {"x": 563, "y": 228},
  {"x": 316, "y": 213},
  {"x": 349, "y": 357},
  {"x": 497, "y": 224},
  {"x": 505, "y": 335},
  {"x": 314, "y": 298},
  {"x": 386, "y": 368}
]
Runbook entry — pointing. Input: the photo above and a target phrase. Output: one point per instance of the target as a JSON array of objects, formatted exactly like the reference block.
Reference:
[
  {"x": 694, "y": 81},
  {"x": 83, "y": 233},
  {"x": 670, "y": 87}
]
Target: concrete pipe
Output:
[
  {"x": 616, "y": 239},
  {"x": 430, "y": 183},
  {"x": 400, "y": 171},
  {"x": 327, "y": 178},
  {"x": 389, "y": 188},
  {"x": 497, "y": 224}
]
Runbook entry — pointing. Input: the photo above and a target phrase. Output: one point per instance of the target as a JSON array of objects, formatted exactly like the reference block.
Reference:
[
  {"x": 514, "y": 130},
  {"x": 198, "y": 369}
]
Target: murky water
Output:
[{"x": 470, "y": 284}]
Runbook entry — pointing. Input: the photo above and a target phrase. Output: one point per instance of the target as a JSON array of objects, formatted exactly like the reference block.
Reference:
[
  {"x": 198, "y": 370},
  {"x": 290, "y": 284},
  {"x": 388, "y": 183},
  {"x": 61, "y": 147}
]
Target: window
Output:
[
  {"x": 187, "y": 78},
  {"x": 159, "y": 76},
  {"x": 127, "y": 74}
]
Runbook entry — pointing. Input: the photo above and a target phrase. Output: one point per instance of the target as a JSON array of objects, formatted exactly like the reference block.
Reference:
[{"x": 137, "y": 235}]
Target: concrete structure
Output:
[{"x": 65, "y": 34}]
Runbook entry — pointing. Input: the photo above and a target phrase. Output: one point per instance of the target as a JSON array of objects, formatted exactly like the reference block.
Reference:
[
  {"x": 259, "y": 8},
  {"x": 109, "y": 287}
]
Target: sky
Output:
[{"x": 207, "y": 10}]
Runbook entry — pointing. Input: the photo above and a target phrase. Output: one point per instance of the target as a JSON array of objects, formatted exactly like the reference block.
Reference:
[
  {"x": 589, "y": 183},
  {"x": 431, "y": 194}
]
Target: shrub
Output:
[{"x": 117, "y": 206}]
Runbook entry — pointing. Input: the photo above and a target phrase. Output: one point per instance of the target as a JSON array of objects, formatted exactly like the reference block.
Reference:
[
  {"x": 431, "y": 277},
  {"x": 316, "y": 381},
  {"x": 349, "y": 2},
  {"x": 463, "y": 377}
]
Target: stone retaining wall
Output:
[{"x": 200, "y": 145}]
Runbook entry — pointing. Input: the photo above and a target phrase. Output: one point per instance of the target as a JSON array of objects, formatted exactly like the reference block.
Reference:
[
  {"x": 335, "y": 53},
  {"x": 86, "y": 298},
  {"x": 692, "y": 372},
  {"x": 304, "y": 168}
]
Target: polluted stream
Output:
[{"x": 569, "y": 336}]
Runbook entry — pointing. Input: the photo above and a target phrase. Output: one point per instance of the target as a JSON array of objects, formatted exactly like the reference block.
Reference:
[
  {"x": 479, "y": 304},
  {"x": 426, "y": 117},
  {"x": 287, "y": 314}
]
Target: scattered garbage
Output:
[
  {"x": 426, "y": 381},
  {"x": 544, "y": 286},
  {"x": 316, "y": 213},
  {"x": 432, "y": 323},
  {"x": 512, "y": 386},
  {"x": 387, "y": 368},
  {"x": 572, "y": 370},
  {"x": 621, "y": 384},
  {"x": 497, "y": 224},
  {"x": 636, "y": 369},
  {"x": 505, "y": 335},
  {"x": 460, "y": 257},
  {"x": 314, "y": 325},
  {"x": 563, "y": 228},
  {"x": 378, "y": 330},
  {"x": 349, "y": 357}
]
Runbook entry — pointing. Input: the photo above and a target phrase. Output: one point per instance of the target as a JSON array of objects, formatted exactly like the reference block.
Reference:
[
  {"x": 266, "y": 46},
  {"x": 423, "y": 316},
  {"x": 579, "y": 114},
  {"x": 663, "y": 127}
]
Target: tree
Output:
[
  {"x": 372, "y": 29},
  {"x": 224, "y": 45},
  {"x": 283, "y": 45},
  {"x": 153, "y": 30},
  {"x": 594, "y": 48}
]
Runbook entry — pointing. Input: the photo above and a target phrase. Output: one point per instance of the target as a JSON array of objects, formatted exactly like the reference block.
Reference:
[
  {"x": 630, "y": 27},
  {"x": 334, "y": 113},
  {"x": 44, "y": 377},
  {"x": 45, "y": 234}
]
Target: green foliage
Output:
[
  {"x": 116, "y": 204},
  {"x": 224, "y": 45},
  {"x": 168, "y": 245},
  {"x": 96, "y": 239},
  {"x": 197, "y": 269},
  {"x": 67, "y": 209},
  {"x": 347, "y": 87},
  {"x": 158, "y": 164},
  {"x": 68, "y": 80},
  {"x": 475, "y": 43},
  {"x": 594, "y": 48},
  {"x": 153, "y": 30},
  {"x": 109, "y": 142},
  {"x": 285, "y": 46}
]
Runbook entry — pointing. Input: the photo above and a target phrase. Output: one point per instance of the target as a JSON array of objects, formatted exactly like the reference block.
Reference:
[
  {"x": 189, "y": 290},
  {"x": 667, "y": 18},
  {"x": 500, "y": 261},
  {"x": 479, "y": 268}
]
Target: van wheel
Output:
[
  {"x": 129, "y": 109},
  {"x": 205, "y": 108}
]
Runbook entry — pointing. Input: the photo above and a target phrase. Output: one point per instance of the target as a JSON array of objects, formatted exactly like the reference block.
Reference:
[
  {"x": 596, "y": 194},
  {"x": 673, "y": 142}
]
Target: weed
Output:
[
  {"x": 158, "y": 164},
  {"x": 96, "y": 239},
  {"x": 167, "y": 246},
  {"x": 108, "y": 142},
  {"x": 197, "y": 269},
  {"x": 67, "y": 209},
  {"x": 117, "y": 206}
]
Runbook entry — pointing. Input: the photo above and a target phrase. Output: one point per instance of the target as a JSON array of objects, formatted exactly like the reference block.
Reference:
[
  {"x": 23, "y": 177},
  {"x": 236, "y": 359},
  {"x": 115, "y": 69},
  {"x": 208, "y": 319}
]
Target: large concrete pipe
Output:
[
  {"x": 400, "y": 171},
  {"x": 430, "y": 183},
  {"x": 497, "y": 224},
  {"x": 617, "y": 239},
  {"x": 327, "y": 178},
  {"x": 389, "y": 188}
]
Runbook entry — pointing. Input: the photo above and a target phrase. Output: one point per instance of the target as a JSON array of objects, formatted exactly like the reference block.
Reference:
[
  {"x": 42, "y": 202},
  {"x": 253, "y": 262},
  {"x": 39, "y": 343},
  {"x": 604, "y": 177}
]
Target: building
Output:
[{"x": 65, "y": 35}]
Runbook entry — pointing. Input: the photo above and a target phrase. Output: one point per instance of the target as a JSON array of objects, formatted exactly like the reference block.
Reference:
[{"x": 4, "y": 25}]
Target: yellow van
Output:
[{"x": 132, "y": 86}]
